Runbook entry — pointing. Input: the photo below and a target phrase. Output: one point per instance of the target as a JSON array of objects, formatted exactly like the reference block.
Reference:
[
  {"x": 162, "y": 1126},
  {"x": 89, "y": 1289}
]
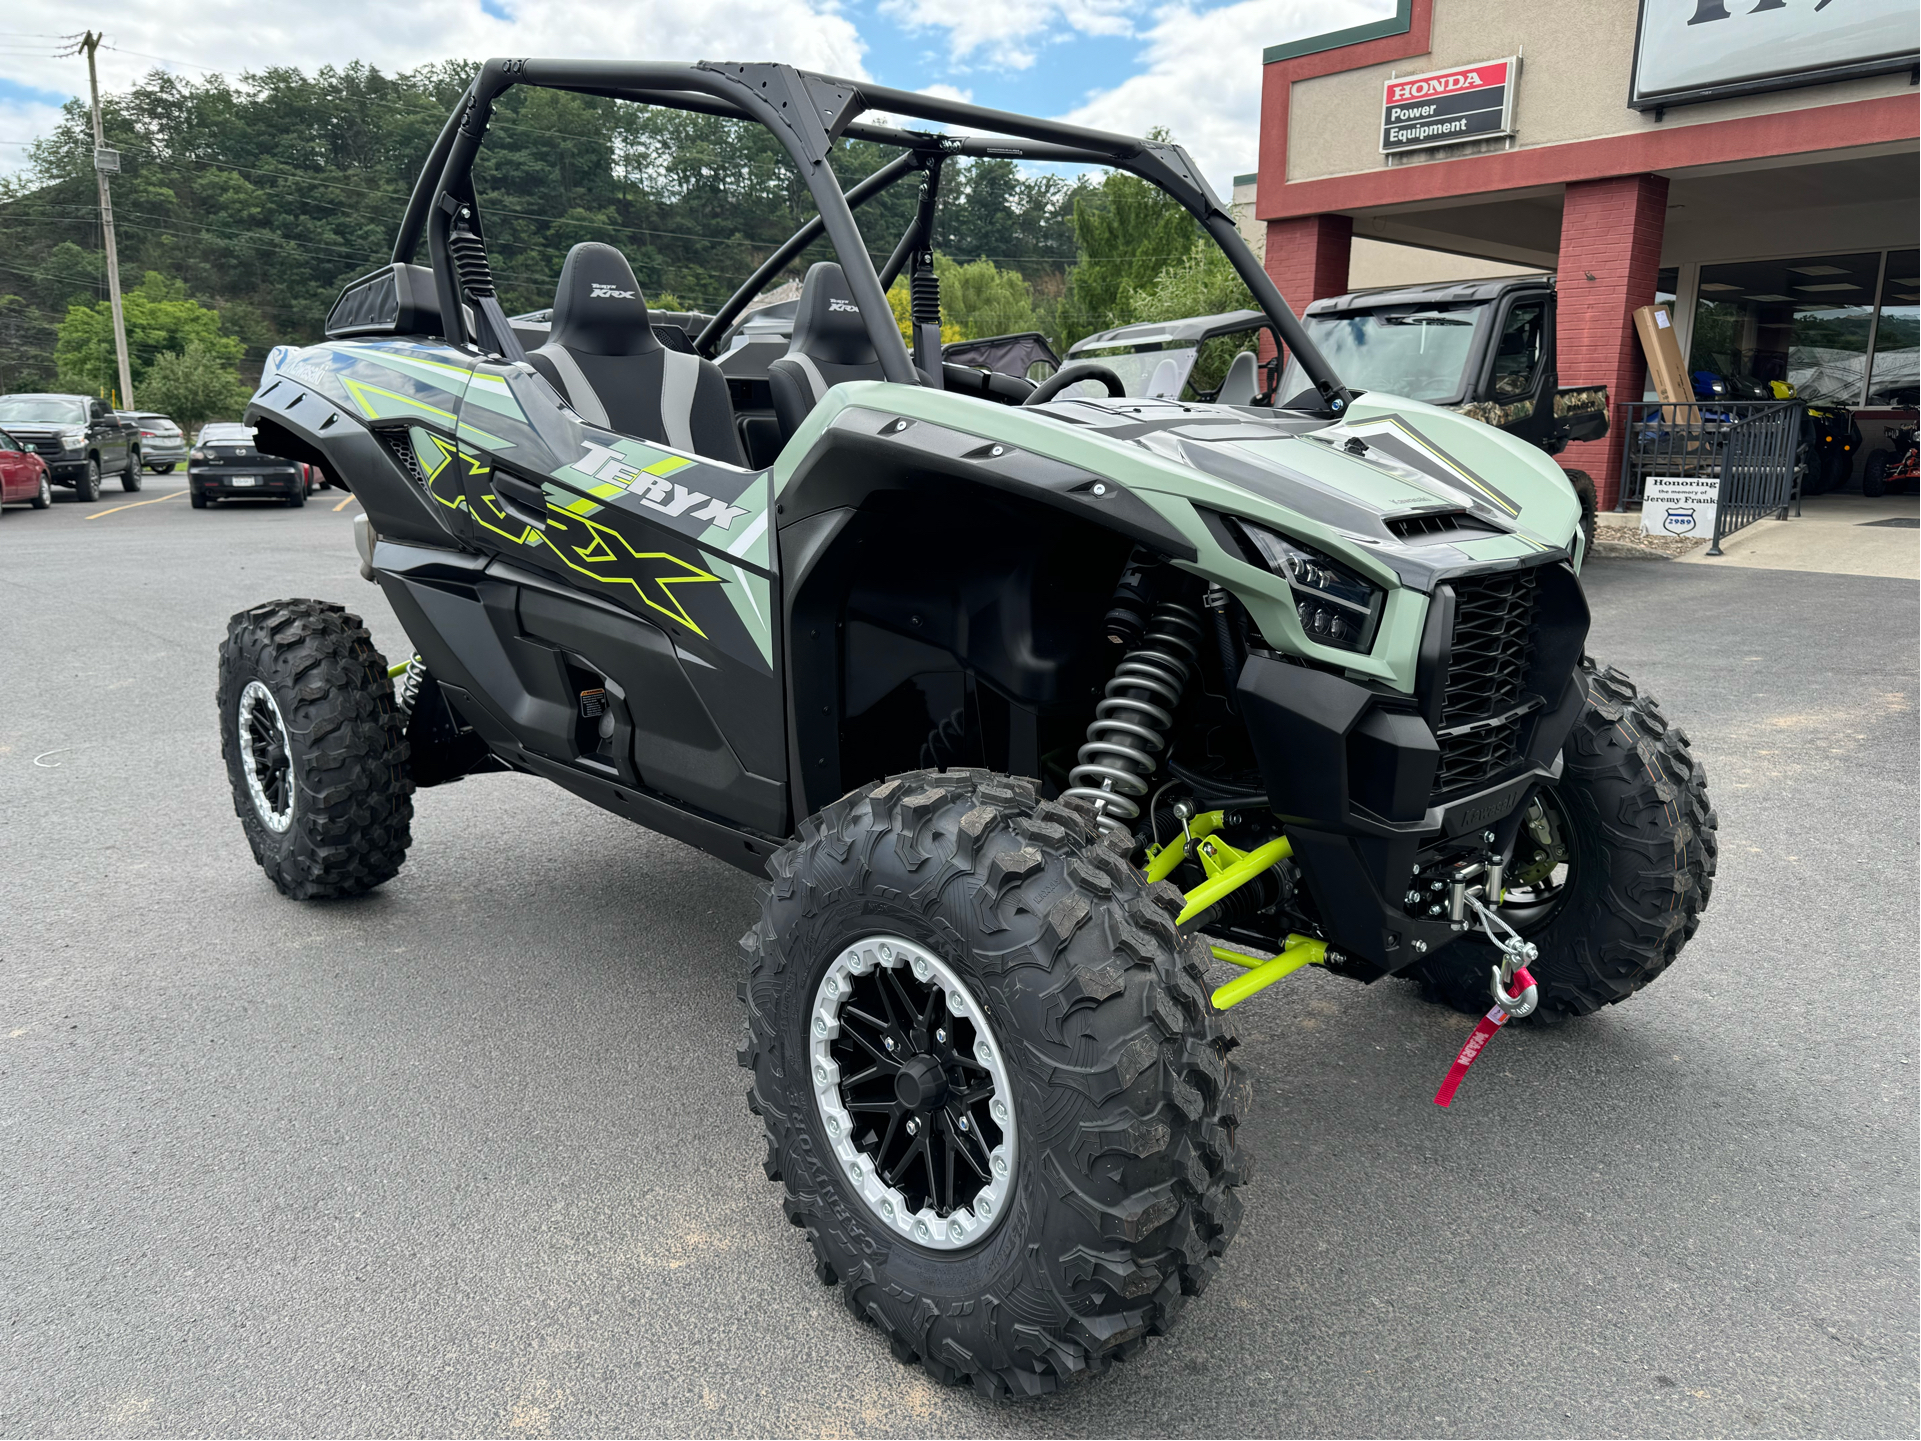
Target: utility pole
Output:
[{"x": 104, "y": 162}]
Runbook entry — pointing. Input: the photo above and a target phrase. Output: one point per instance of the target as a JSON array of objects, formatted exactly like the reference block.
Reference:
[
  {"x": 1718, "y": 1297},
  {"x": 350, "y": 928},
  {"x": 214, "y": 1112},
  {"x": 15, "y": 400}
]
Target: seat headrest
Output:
[
  {"x": 598, "y": 307},
  {"x": 828, "y": 326}
]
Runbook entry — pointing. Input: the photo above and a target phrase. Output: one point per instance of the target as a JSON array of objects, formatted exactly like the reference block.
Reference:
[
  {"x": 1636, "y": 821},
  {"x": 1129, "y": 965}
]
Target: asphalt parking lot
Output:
[{"x": 471, "y": 1154}]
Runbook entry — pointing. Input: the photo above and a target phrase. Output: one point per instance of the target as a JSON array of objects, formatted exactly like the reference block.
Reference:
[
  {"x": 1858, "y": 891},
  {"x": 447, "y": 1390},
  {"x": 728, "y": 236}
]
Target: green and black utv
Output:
[{"x": 1040, "y": 724}]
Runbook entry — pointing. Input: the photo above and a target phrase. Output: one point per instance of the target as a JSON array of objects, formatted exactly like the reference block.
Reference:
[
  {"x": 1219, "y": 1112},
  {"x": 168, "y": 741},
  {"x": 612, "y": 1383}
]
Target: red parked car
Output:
[{"x": 24, "y": 478}]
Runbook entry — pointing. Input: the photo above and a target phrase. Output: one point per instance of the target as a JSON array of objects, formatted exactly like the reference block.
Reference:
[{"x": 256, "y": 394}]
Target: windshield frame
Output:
[{"x": 808, "y": 113}]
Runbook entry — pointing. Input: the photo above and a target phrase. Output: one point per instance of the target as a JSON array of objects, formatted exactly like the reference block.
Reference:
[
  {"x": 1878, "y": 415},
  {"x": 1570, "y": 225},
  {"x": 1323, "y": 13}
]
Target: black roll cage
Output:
[{"x": 807, "y": 113}]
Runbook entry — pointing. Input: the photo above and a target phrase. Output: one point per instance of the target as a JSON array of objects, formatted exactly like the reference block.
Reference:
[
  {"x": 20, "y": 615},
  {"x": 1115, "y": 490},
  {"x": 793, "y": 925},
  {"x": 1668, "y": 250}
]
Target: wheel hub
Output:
[
  {"x": 921, "y": 1084},
  {"x": 913, "y": 1092}
]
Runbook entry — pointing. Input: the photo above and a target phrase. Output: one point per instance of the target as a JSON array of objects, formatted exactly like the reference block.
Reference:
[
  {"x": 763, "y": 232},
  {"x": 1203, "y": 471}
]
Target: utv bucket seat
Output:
[
  {"x": 604, "y": 357},
  {"x": 830, "y": 347},
  {"x": 1243, "y": 381}
]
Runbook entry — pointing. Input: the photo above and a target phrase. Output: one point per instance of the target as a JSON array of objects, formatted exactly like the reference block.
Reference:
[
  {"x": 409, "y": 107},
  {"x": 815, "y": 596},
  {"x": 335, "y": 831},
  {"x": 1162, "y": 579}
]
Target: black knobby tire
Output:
[
  {"x": 352, "y": 796},
  {"x": 1584, "y": 491},
  {"x": 1874, "y": 475},
  {"x": 1124, "y": 1193},
  {"x": 87, "y": 487},
  {"x": 130, "y": 478},
  {"x": 1642, "y": 835}
]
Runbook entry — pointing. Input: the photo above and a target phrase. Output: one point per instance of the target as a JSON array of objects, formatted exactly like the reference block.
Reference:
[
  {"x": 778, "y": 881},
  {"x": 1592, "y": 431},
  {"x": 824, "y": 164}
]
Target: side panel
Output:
[{"x": 654, "y": 569}]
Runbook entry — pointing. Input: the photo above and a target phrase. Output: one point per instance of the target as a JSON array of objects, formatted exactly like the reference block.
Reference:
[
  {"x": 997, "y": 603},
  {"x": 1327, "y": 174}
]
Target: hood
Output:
[{"x": 1421, "y": 490}]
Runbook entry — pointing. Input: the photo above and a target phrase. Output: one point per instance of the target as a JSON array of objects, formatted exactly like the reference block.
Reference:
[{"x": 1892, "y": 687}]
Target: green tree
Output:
[
  {"x": 264, "y": 193},
  {"x": 193, "y": 386},
  {"x": 161, "y": 320},
  {"x": 981, "y": 299},
  {"x": 1126, "y": 232},
  {"x": 26, "y": 346}
]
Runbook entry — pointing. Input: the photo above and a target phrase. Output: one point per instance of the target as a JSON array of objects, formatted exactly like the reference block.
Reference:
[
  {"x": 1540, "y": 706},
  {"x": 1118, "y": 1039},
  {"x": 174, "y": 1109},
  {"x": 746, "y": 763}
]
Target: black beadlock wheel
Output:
[
  {"x": 315, "y": 749},
  {"x": 991, "y": 1080},
  {"x": 1613, "y": 867}
]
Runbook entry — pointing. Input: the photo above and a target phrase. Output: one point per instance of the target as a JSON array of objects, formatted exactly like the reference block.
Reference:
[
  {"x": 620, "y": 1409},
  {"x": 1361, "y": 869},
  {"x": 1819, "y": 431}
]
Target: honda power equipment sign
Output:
[{"x": 1445, "y": 107}]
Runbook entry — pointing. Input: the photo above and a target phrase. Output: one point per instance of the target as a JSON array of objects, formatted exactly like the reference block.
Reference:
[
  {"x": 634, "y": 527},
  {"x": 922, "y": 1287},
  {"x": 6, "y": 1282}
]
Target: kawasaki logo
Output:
[
  {"x": 656, "y": 493},
  {"x": 608, "y": 292}
]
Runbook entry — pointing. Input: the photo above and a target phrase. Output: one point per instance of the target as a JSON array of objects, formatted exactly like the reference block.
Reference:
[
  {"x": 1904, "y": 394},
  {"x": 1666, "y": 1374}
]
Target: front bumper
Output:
[
  {"x": 220, "y": 483},
  {"x": 1351, "y": 770},
  {"x": 65, "y": 470}
]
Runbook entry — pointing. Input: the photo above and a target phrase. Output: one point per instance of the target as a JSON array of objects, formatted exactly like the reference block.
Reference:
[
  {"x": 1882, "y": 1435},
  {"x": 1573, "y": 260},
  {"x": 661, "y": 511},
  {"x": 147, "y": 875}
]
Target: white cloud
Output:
[
  {"x": 1202, "y": 76},
  {"x": 1008, "y": 33},
  {"x": 235, "y": 35},
  {"x": 22, "y": 119}
]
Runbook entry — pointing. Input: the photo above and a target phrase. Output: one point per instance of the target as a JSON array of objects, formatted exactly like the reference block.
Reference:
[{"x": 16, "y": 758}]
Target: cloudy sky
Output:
[{"x": 1126, "y": 65}]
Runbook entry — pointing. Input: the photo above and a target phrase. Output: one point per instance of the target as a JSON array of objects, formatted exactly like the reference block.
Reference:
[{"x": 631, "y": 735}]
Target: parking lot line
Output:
[
  {"x": 343, "y": 504},
  {"x": 171, "y": 495}
]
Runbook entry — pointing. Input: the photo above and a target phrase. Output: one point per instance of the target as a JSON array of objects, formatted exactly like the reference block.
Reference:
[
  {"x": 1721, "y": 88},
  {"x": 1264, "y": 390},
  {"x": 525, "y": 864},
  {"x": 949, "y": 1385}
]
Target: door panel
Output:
[
  {"x": 13, "y": 471},
  {"x": 659, "y": 580},
  {"x": 678, "y": 750}
]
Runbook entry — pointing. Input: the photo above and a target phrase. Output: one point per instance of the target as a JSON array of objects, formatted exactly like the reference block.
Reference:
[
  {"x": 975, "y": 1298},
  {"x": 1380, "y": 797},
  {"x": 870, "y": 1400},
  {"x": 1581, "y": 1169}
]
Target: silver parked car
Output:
[{"x": 162, "y": 446}]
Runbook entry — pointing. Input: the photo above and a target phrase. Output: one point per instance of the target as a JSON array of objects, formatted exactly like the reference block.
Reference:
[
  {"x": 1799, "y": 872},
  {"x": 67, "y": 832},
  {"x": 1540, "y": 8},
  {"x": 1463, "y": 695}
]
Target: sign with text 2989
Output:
[{"x": 1445, "y": 107}]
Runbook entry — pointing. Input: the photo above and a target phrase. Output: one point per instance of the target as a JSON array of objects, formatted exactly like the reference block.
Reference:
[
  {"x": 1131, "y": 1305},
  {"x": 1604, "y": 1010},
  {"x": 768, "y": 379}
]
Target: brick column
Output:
[
  {"x": 1307, "y": 258},
  {"x": 1611, "y": 234}
]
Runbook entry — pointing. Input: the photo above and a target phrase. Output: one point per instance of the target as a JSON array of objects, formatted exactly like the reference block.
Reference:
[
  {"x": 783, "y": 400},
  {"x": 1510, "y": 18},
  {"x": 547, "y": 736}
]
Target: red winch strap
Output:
[{"x": 1490, "y": 1023}]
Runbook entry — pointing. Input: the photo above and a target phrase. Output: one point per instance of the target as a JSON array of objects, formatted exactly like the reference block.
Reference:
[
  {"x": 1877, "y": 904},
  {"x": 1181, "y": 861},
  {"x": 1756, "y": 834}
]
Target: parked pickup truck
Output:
[
  {"x": 80, "y": 438},
  {"x": 1482, "y": 347}
]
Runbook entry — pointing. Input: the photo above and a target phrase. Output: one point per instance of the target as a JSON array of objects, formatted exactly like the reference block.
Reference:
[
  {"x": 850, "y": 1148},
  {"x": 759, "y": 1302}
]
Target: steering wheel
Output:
[{"x": 1072, "y": 375}]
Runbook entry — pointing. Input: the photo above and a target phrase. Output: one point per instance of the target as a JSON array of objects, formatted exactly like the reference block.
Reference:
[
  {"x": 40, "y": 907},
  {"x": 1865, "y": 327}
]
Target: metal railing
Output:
[{"x": 1742, "y": 452}]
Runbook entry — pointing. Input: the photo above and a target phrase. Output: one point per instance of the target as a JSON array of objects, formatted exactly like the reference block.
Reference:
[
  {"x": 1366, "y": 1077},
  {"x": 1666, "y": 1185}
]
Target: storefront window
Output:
[
  {"x": 1805, "y": 322},
  {"x": 1893, "y": 381}
]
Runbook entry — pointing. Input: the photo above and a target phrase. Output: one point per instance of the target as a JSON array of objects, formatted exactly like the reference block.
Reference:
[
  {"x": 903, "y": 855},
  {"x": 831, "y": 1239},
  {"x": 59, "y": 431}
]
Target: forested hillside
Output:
[{"x": 242, "y": 206}]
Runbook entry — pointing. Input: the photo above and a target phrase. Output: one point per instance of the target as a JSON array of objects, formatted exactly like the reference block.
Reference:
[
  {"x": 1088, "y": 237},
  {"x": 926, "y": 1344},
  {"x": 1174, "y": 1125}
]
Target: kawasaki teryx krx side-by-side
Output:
[{"x": 1042, "y": 712}]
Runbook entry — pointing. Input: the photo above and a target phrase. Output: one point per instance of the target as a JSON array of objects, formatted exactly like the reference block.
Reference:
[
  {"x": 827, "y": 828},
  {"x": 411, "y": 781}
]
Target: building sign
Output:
[
  {"x": 1692, "y": 50},
  {"x": 1445, "y": 107},
  {"x": 1680, "y": 505}
]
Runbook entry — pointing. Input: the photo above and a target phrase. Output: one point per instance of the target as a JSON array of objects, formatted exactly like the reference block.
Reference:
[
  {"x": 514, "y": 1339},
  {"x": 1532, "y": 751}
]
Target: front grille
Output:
[
  {"x": 1480, "y": 729},
  {"x": 46, "y": 447}
]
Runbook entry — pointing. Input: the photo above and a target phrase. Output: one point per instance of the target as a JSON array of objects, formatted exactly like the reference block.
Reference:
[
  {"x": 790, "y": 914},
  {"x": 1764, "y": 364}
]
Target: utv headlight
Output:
[{"x": 1337, "y": 607}]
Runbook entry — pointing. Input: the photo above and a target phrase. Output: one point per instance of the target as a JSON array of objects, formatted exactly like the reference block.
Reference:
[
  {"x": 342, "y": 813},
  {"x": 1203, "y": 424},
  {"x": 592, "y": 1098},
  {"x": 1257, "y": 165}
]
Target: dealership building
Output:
[{"x": 1750, "y": 163}]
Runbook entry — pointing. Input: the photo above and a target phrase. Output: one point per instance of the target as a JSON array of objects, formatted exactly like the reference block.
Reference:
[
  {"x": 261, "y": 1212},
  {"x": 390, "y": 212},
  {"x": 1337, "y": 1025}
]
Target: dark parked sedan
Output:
[{"x": 223, "y": 464}]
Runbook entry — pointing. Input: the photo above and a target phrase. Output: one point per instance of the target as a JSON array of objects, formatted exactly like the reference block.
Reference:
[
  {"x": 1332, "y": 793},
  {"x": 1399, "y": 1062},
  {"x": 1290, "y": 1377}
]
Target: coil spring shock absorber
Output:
[
  {"x": 1130, "y": 724},
  {"x": 407, "y": 693}
]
